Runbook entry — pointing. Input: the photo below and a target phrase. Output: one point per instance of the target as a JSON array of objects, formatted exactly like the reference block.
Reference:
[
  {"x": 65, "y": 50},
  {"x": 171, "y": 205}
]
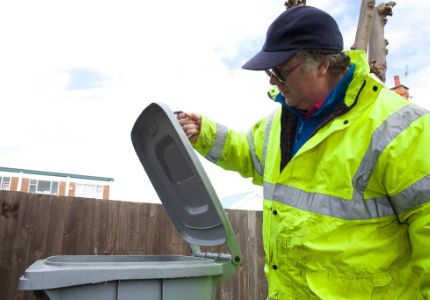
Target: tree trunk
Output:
[
  {"x": 377, "y": 43},
  {"x": 364, "y": 25}
]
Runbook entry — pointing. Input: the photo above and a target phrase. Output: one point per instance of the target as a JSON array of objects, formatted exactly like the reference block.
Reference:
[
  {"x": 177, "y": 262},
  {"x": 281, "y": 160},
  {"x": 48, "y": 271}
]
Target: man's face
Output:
[{"x": 298, "y": 85}]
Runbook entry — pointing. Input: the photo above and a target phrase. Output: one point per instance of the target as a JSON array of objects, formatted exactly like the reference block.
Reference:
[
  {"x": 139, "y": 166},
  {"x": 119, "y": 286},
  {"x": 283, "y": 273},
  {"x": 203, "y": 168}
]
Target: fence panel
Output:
[{"x": 37, "y": 226}]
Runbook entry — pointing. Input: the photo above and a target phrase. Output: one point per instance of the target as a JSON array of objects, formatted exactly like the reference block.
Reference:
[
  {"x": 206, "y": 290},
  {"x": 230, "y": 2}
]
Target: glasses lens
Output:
[{"x": 277, "y": 74}]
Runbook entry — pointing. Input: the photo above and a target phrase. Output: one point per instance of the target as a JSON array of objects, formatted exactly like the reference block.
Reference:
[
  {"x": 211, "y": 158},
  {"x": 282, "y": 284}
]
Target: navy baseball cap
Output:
[{"x": 298, "y": 28}]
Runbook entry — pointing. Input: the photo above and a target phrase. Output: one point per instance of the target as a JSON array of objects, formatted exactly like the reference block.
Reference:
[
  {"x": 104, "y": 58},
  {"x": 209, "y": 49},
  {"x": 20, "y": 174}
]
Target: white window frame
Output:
[
  {"x": 34, "y": 183},
  {"x": 82, "y": 190},
  {"x": 2, "y": 182}
]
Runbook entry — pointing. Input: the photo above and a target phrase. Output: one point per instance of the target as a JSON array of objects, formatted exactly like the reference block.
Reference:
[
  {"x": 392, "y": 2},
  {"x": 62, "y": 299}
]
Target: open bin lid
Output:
[{"x": 180, "y": 180}]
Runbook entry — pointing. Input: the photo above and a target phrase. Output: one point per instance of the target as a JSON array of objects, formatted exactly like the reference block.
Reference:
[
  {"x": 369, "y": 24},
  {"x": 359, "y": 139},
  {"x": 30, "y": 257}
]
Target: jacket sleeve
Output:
[
  {"x": 232, "y": 150},
  {"x": 407, "y": 181},
  {"x": 419, "y": 235}
]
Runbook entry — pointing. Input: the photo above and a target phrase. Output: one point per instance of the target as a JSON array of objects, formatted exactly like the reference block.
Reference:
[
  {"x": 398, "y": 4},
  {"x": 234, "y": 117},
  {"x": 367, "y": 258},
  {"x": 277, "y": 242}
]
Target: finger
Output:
[
  {"x": 191, "y": 131},
  {"x": 191, "y": 128},
  {"x": 194, "y": 116},
  {"x": 185, "y": 122},
  {"x": 180, "y": 115}
]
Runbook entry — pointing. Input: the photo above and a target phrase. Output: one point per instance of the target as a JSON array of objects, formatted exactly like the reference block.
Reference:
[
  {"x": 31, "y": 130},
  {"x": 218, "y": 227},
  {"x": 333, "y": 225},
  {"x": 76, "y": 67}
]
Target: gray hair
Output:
[{"x": 338, "y": 61}]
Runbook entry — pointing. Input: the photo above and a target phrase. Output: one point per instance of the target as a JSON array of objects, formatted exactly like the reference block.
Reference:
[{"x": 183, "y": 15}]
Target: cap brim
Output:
[{"x": 268, "y": 60}]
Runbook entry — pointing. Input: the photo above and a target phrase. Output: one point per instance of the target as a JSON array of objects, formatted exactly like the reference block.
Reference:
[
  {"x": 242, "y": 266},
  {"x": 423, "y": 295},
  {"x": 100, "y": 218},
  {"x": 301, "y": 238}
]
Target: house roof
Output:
[
  {"x": 399, "y": 86},
  {"x": 57, "y": 174}
]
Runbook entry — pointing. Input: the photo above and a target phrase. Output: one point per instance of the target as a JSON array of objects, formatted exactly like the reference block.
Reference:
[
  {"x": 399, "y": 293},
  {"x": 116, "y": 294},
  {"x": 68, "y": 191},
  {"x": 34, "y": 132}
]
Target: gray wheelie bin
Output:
[{"x": 194, "y": 208}]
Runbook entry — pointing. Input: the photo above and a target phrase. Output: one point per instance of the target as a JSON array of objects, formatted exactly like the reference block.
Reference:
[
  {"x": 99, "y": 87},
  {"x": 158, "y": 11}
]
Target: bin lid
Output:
[{"x": 179, "y": 178}]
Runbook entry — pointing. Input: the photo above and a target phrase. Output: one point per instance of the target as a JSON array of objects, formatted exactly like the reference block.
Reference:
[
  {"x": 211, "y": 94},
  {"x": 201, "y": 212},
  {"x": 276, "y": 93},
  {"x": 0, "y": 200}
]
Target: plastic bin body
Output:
[
  {"x": 194, "y": 209},
  {"x": 179, "y": 289}
]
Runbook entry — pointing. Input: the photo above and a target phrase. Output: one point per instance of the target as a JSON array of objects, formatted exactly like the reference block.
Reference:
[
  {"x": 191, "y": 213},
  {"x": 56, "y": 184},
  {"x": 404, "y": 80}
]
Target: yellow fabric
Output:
[
  {"x": 272, "y": 92},
  {"x": 315, "y": 256},
  {"x": 236, "y": 151}
]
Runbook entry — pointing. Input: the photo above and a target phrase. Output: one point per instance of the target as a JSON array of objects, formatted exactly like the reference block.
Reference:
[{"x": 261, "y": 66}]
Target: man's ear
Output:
[{"x": 323, "y": 67}]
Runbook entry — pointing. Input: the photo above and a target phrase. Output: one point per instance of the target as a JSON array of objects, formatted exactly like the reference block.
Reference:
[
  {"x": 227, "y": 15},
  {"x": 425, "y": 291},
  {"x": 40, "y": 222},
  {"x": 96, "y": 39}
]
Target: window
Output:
[
  {"x": 89, "y": 191},
  {"x": 43, "y": 187},
  {"x": 4, "y": 183}
]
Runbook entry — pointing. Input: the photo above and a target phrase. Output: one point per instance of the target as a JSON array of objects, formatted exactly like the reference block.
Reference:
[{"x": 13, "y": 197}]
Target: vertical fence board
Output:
[
  {"x": 262, "y": 283},
  {"x": 101, "y": 228},
  {"x": 54, "y": 234},
  {"x": 9, "y": 218}
]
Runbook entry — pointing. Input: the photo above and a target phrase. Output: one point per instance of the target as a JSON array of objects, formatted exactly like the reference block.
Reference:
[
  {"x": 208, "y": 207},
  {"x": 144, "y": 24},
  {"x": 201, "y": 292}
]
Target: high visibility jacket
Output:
[{"x": 349, "y": 215}]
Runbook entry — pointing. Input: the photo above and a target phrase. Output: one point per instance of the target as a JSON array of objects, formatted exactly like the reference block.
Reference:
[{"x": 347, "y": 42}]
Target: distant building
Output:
[
  {"x": 54, "y": 183},
  {"x": 399, "y": 88}
]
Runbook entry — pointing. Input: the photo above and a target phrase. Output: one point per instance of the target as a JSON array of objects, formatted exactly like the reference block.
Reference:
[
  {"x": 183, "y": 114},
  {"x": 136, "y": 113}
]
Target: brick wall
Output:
[
  {"x": 106, "y": 189},
  {"x": 62, "y": 189},
  {"x": 14, "y": 184},
  {"x": 24, "y": 185}
]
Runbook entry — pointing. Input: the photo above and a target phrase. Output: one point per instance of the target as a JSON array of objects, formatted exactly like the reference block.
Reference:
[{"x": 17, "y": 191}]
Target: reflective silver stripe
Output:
[
  {"x": 266, "y": 138},
  {"x": 358, "y": 209},
  {"x": 216, "y": 151},
  {"x": 413, "y": 196},
  {"x": 381, "y": 137},
  {"x": 259, "y": 167},
  {"x": 255, "y": 161}
]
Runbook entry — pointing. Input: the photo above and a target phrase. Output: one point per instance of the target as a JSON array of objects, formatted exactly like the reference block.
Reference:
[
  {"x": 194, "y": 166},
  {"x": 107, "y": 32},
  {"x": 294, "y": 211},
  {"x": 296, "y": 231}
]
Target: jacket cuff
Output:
[{"x": 207, "y": 136}]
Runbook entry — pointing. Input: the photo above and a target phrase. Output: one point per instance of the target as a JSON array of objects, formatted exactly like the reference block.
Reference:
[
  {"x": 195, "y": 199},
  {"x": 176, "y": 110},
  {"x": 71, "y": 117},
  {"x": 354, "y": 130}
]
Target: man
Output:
[{"x": 344, "y": 168}]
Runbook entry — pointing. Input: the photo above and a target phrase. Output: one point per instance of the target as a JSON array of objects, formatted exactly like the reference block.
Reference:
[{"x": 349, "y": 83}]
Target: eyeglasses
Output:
[{"x": 282, "y": 76}]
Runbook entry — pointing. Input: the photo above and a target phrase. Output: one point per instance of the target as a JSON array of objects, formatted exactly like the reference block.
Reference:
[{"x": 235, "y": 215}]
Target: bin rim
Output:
[
  {"x": 43, "y": 276},
  {"x": 85, "y": 260}
]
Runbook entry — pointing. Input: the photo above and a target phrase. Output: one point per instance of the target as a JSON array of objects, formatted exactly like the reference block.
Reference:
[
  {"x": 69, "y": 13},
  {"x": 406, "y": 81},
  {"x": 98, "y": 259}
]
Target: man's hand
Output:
[{"x": 190, "y": 123}]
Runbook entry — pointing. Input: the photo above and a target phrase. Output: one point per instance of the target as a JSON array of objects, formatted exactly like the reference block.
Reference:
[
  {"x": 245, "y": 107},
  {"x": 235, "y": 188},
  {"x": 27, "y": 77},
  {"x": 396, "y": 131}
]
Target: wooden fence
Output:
[{"x": 37, "y": 226}]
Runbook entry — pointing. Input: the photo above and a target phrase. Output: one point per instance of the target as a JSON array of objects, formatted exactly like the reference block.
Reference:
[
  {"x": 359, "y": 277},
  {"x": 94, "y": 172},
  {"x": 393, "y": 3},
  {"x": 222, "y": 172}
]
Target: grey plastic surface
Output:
[
  {"x": 201, "y": 288},
  {"x": 178, "y": 177},
  {"x": 72, "y": 270}
]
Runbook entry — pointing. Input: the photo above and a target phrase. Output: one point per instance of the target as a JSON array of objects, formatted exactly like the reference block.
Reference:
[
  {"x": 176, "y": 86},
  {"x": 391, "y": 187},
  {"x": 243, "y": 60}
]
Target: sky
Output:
[{"x": 75, "y": 75}]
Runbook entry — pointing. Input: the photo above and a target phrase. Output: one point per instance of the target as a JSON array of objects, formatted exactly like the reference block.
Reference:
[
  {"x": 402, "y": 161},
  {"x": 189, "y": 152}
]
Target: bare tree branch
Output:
[
  {"x": 291, "y": 3},
  {"x": 377, "y": 43}
]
